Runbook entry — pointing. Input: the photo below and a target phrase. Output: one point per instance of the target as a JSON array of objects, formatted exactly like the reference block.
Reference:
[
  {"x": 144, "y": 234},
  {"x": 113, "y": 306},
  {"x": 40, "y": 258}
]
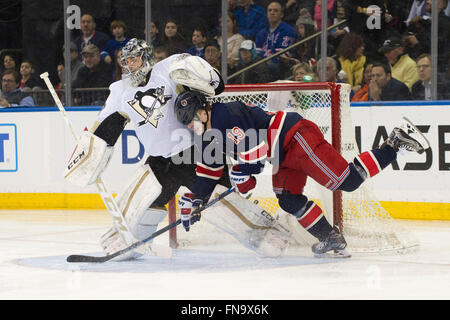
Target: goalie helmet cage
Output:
[{"x": 366, "y": 225}]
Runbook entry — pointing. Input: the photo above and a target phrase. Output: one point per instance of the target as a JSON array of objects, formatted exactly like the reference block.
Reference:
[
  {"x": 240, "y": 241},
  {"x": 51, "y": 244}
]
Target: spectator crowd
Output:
[{"x": 388, "y": 62}]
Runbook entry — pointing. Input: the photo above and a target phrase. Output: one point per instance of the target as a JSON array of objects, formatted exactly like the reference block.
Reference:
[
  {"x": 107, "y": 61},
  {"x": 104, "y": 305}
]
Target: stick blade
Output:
[
  {"x": 80, "y": 258},
  {"x": 44, "y": 75}
]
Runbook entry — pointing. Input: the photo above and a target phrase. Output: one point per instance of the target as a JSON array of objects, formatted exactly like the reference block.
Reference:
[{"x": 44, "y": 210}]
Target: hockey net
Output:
[{"x": 366, "y": 225}]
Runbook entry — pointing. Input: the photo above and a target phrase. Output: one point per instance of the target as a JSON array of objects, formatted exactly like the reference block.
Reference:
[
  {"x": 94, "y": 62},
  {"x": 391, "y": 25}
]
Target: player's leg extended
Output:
[
  {"x": 308, "y": 154},
  {"x": 288, "y": 186},
  {"x": 312, "y": 154},
  {"x": 366, "y": 165}
]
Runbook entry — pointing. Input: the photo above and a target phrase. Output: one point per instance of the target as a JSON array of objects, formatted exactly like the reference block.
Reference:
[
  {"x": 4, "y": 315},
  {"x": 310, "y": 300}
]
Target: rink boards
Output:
[{"x": 35, "y": 145}]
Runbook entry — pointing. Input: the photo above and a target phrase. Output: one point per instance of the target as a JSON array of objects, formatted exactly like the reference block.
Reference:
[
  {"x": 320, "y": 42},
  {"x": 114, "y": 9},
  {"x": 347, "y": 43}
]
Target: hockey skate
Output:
[
  {"x": 333, "y": 246},
  {"x": 408, "y": 137}
]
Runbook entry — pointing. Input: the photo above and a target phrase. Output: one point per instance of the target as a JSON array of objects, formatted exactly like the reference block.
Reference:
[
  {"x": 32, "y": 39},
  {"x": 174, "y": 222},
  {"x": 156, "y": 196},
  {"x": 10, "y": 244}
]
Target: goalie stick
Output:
[
  {"x": 82, "y": 258},
  {"x": 108, "y": 200}
]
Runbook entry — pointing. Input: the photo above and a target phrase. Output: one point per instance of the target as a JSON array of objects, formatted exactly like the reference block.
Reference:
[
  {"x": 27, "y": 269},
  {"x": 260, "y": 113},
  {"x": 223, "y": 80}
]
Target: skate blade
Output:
[
  {"x": 335, "y": 254},
  {"x": 410, "y": 128}
]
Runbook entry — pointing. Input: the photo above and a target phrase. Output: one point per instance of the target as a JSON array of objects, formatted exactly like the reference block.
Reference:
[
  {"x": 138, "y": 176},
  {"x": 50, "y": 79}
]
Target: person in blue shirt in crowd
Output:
[
  {"x": 251, "y": 18},
  {"x": 199, "y": 42},
  {"x": 278, "y": 35},
  {"x": 118, "y": 30}
]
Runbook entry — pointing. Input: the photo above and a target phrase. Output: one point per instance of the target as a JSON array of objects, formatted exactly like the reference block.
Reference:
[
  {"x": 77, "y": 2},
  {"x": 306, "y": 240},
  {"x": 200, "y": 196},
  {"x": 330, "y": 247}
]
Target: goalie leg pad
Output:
[
  {"x": 249, "y": 224},
  {"x": 89, "y": 160},
  {"x": 112, "y": 242},
  {"x": 135, "y": 199},
  {"x": 148, "y": 222}
]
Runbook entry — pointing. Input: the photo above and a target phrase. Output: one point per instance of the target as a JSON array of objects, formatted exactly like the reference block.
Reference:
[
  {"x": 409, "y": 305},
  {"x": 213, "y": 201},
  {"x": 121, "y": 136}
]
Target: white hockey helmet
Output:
[{"x": 136, "y": 48}]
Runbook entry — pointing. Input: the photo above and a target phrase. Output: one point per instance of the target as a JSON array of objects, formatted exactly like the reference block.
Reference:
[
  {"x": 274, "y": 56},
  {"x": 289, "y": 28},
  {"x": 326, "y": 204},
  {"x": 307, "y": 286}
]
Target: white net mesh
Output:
[{"x": 367, "y": 226}]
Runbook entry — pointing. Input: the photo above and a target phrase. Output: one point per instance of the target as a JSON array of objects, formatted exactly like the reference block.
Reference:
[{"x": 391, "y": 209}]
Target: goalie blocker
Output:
[{"x": 89, "y": 160}]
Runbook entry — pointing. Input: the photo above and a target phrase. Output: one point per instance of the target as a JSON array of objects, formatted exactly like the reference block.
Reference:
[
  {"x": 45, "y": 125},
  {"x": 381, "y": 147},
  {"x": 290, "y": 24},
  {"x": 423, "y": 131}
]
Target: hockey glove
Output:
[
  {"x": 188, "y": 204},
  {"x": 243, "y": 182}
]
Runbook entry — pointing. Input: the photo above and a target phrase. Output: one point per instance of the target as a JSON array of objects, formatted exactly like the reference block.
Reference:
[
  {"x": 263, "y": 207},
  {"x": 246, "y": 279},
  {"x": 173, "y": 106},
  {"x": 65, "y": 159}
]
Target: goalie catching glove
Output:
[
  {"x": 196, "y": 74},
  {"x": 188, "y": 204},
  {"x": 243, "y": 182},
  {"x": 89, "y": 160}
]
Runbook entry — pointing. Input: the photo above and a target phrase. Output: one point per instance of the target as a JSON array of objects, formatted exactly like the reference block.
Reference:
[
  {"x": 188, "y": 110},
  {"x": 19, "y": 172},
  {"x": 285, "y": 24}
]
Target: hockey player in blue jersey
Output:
[{"x": 296, "y": 148}]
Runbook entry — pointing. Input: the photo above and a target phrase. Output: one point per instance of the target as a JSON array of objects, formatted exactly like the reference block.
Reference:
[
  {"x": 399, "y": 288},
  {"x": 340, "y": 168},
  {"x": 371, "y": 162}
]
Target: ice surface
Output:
[{"x": 34, "y": 245}]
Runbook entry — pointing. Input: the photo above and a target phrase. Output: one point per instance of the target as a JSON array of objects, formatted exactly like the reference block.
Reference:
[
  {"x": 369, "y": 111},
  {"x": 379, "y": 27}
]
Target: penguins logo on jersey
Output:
[{"x": 149, "y": 104}]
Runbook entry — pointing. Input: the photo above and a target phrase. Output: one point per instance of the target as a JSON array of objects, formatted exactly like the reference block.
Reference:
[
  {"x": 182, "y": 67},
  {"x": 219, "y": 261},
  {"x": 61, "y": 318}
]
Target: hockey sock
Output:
[
  {"x": 372, "y": 162},
  {"x": 312, "y": 219},
  {"x": 366, "y": 165},
  {"x": 309, "y": 215}
]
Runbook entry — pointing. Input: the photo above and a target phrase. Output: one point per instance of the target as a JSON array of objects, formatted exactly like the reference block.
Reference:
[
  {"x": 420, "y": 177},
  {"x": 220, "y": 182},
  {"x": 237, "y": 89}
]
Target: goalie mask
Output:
[
  {"x": 137, "y": 60},
  {"x": 187, "y": 104}
]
